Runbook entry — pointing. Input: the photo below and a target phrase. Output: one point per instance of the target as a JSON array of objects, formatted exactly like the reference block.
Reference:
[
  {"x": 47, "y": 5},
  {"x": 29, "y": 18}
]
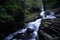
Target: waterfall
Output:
[
  {"x": 43, "y": 13},
  {"x": 42, "y": 10},
  {"x": 32, "y": 26}
]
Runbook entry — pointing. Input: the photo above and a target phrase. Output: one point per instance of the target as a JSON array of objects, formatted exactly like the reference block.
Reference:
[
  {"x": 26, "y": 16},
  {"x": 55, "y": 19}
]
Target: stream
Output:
[{"x": 31, "y": 30}]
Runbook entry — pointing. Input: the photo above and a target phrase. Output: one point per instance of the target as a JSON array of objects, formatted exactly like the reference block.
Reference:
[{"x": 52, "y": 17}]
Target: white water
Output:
[
  {"x": 42, "y": 11},
  {"x": 33, "y": 25},
  {"x": 47, "y": 16}
]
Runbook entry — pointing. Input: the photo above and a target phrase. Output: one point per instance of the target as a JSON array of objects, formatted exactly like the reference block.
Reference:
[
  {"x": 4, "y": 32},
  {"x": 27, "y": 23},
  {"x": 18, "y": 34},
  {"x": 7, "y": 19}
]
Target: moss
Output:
[{"x": 30, "y": 17}]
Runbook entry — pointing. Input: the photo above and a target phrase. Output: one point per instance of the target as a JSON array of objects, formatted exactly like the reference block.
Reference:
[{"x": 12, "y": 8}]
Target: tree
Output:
[{"x": 11, "y": 16}]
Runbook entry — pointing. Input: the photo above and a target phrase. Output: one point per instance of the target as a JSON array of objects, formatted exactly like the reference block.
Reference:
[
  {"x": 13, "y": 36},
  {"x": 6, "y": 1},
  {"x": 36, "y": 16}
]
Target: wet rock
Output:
[
  {"x": 57, "y": 12},
  {"x": 52, "y": 29}
]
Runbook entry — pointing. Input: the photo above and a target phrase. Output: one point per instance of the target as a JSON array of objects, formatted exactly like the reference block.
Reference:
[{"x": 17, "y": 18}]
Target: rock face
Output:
[
  {"x": 50, "y": 29},
  {"x": 57, "y": 12}
]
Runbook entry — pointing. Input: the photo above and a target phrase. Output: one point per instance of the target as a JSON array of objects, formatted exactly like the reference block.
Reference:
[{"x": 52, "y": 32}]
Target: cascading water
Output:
[
  {"x": 51, "y": 16},
  {"x": 42, "y": 11},
  {"x": 46, "y": 16},
  {"x": 33, "y": 26}
]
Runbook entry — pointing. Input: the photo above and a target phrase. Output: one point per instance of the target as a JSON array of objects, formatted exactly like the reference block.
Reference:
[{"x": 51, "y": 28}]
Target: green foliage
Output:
[
  {"x": 12, "y": 12},
  {"x": 4, "y": 16},
  {"x": 30, "y": 17},
  {"x": 11, "y": 16},
  {"x": 51, "y": 4},
  {"x": 29, "y": 14}
]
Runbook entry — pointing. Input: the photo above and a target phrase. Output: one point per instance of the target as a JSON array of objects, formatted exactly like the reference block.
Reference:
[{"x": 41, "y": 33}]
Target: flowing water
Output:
[{"x": 32, "y": 25}]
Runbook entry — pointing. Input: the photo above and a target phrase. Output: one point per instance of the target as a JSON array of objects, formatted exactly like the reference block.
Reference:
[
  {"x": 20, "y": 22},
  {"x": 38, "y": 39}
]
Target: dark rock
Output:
[{"x": 52, "y": 29}]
